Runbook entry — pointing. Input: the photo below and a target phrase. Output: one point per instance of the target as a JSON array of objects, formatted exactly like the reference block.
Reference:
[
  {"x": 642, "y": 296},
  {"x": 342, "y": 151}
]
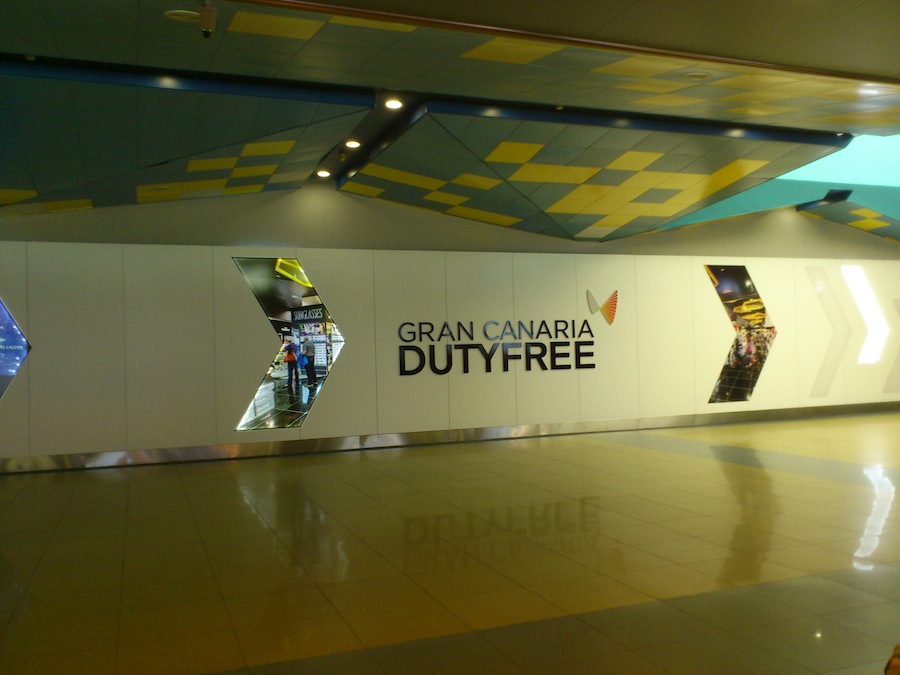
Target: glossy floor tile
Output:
[{"x": 756, "y": 548}]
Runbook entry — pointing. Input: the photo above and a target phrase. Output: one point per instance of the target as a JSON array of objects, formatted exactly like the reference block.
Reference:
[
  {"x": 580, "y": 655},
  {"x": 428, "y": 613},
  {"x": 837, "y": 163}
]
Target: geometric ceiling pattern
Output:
[
  {"x": 859, "y": 217},
  {"x": 105, "y": 103},
  {"x": 134, "y": 144},
  {"x": 589, "y": 181}
]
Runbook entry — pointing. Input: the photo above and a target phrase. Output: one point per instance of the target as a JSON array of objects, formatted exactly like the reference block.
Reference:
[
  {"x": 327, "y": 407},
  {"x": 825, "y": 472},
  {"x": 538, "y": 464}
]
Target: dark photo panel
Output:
[{"x": 754, "y": 333}]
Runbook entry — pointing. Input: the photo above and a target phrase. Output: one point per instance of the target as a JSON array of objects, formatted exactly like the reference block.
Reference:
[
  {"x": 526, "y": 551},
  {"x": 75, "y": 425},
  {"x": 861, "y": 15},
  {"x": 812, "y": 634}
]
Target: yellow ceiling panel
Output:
[
  {"x": 554, "y": 173},
  {"x": 670, "y": 100},
  {"x": 644, "y": 180},
  {"x": 655, "y": 86},
  {"x": 510, "y": 50},
  {"x": 484, "y": 216},
  {"x": 259, "y": 170},
  {"x": 514, "y": 153},
  {"x": 360, "y": 189},
  {"x": 868, "y": 224},
  {"x": 197, "y": 185},
  {"x": 478, "y": 182},
  {"x": 243, "y": 189},
  {"x": 615, "y": 220},
  {"x": 641, "y": 66},
  {"x": 605, "y": 199},
  {"x": 267, "y": 148},
  {"x": 369, "y": 23},
  {"x": 634, "y": 160},
  {"x": 595, "y": 231},
  {"x": 873, "y": 118},
  {"x": 733, "y": 172},
  {"x": 446, "y": 198},
  {"x": 756, "y": 81},
  {"x": 580, "y": 198},
  {"x": 274, "y": 26},
  {"x": 158, "y": 192},
  {"x": 666, "y": 210},
  {"x": 403, "y": 177},
  {"x": 8, "y": 196},
  {"x": 866, "y": 213},
  {"x": 218, "y": 164},
  {"x": 680, "y": 181},
  {"x": 68, "y": 205},
  {"x": 754, "y": 96},
  {"x": 803, "y": 88},
  {"x": 614, "y": 201},
  {"x": 635, "y": 208}
]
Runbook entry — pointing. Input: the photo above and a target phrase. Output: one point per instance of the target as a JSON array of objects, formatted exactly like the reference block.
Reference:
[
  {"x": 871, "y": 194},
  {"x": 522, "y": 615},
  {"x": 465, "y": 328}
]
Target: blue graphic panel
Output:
[{"x": 13, "y": 348}]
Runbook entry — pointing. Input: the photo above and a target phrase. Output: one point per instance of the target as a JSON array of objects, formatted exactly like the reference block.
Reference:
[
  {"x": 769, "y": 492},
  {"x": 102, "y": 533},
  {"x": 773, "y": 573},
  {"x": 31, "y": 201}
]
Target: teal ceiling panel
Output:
[
  {"x": 539, "y": 223},
  {"x": 166, "y": 125},
  {"x": 224, "y": 120},
  {"x": 103, "y": 131},
  {"x": 44, "y": 120}
]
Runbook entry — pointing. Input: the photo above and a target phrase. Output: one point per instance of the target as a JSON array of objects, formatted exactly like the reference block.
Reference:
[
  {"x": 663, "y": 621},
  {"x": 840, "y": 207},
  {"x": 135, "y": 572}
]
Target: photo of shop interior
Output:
[
  {"x": 754, "y": 333},
  {"x": 305, "y": 331}
]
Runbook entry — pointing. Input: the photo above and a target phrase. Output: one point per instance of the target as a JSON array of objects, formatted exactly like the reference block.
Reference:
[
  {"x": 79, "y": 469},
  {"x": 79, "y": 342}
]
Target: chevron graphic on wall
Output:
[
  {"x": 754, "y": 333},
  {"x": 893, "y": 382},
  {"x": 301, "y": 321},
  {"x": 840, "y": 331},
  {"x": 14, "y": 349}
]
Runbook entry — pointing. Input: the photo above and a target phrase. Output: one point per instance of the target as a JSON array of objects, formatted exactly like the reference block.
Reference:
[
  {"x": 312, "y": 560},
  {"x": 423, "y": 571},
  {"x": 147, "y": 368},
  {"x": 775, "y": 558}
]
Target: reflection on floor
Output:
[
  {"x": 764, "y": 548},
  {"x": 279, "y": 406}
]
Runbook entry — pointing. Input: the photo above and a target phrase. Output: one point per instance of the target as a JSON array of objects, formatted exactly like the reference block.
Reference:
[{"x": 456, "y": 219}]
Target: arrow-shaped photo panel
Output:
[
  {"x": 309, "y": 343},
  {"x": 13, "y": 349},
  {"x": 754, "y": 333}
]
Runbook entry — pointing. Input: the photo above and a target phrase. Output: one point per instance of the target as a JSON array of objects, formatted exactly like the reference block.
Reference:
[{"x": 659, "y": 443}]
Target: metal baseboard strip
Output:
[{"x": 202, "y": 453}]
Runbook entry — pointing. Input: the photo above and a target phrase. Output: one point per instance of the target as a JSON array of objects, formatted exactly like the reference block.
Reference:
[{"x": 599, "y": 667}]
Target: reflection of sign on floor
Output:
[
  {"x": 13, "y": 349},
  {"x": 298, "y": 317},
  {"x": 754, "y": 333}
]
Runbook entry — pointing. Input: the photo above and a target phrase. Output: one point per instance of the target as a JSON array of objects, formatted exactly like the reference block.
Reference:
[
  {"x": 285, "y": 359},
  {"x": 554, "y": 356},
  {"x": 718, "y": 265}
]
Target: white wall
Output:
[{"x": 141, "y": 347}]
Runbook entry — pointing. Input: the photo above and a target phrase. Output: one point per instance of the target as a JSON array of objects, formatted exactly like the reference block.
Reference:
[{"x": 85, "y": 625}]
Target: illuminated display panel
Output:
[
  {"x": 13, "y": 348},
  {"x": 310, "y": 342}
]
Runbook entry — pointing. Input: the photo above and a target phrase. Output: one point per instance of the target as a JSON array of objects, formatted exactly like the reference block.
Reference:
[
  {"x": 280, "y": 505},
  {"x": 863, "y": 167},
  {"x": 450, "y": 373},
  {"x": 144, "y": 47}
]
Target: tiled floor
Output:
[{"x": 764, "y": 548}]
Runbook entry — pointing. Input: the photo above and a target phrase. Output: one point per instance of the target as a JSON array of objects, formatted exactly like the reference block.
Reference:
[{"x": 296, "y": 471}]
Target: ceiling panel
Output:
[
  {"x": 87, "y": 144},
  {"x": 508, "y": 171},
  {"x": 108, "y": 102},
  {"x": 859, "y": 217}
]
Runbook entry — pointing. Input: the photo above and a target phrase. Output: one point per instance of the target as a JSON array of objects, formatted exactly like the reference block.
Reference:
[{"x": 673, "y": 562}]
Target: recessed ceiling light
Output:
[
  {"x": 393, "y": 103},
  {"x": 696, "y": 75},
  {"x": 323, "y": 173},
  {"x": 352, "y": 144}
]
